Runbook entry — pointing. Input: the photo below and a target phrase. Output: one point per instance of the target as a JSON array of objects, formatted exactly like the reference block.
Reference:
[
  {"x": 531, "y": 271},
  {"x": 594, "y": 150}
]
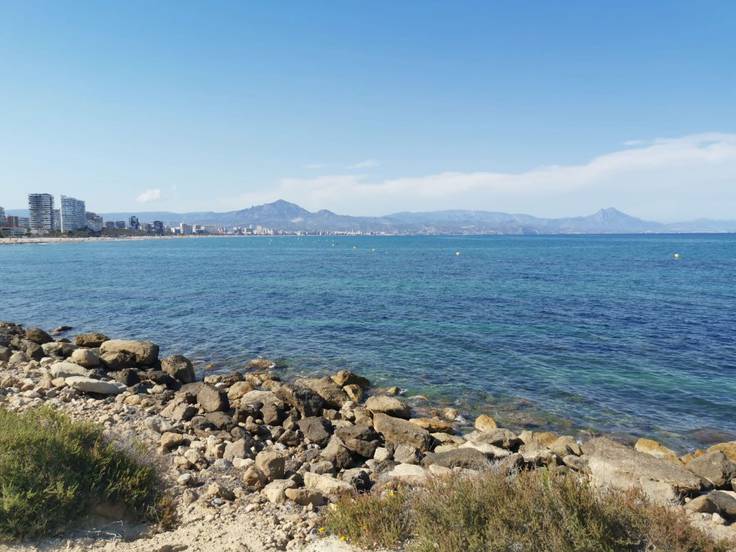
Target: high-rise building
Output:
[
  {"x": 56, "y": 224},
  {"x": 94, "y": 221},
  {"x": 158, "y": 227},
  {"x": 2, "y": 216},
  {"x": 120, "y": 224},
  {"x": 133, "y": 223},
  {"x": 41, "y": 207},
  {"x": 72, "y": 214}
]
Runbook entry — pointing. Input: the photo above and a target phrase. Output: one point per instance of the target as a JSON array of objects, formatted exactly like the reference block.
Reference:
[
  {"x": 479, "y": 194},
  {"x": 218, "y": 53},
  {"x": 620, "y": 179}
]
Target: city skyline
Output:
[{"x": 404, "y": 107}]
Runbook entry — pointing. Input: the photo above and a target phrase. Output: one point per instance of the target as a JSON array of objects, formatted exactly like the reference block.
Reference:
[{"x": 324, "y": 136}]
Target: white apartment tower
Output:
[
  {"x": 73, "y": 214},
  {"x": 41, "y": 208}
]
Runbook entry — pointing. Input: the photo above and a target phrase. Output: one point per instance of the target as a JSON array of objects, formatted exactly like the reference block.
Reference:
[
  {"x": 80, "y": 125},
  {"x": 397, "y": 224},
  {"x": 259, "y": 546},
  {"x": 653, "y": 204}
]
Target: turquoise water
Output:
[{"x": 608, "y": 333}]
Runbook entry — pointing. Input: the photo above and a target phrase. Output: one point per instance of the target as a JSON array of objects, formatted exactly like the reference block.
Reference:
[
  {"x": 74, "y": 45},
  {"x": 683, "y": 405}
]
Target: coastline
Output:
[
  {"x": 248, "y": 444},
  {"x": 54, "y": 240}
]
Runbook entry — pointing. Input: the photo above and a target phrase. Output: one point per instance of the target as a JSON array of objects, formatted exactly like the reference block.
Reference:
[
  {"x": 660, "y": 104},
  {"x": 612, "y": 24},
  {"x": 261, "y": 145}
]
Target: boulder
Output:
[
  {"x": 398, "y": 431},
  {"x": 306, "y": 401},
  {"x": 485, "y": 423},
  {"x": 238, "y": 390},
  {"x": 91, "y": 339},
  {"x": 714, "y": 467},
  {"x": 346, "y": 377},
  {"x": 271, "y": 464},
  {"x": 459, "y": 458},
  {"x": 564, "y": 445},
  {"x": 434, "y": 425},
  {"x": 487, "y": 449},
  {"x": 331, "y": 393},
  {"x": 275, "y": 491},
  {"x": 406, "y": 454},
  {"x": 725, "y": 501},
  {"x": 327, "y": 485},
  {"x": 179, "y": 367},
  {"x": 656, "y": 449},
  {"x": 360, "y": 439},
  {"x": 118, "y": 360},
  {"x": 68, "y": 369},
  {"x": 305, "y": 497},
  {"x": 126, "y": 376},
  {"x": 58, "y": 349},
  {"x": 729, "y": 449},
  {"x": 354, "y": 392},
  {"x": 496, "y": 437},
  {"x": 238, "y": 449},
  {"x": 702, "y": 505},
  {"x": 391, "y": 406},
  {"x": 337, "y": 453},
  {"x": 89, "y": 385},
  {"x": 614, "y": 465},
  {"x": 5, "y": 353},
  {"x": 408, "y": 473},
  {"x": 38, "y": 336},
  {"x": 88, "y": 358},
  {"x": 144, "y": 353},
  {"x": 212, "y": 399},
  {"x": 316, "y": 429}
]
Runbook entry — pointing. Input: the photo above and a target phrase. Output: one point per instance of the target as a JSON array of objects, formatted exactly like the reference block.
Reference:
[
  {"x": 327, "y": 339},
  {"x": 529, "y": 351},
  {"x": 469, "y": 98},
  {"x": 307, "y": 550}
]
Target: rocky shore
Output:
[{"x": 255, "y": 458}]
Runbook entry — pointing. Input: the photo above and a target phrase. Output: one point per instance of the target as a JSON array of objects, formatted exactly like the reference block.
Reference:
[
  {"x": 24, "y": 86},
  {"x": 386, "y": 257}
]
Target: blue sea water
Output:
[{"x": 607, "y": 333}]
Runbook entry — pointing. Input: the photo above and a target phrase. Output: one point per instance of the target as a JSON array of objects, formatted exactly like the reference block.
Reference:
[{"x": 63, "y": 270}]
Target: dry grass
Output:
[{"x": 535, "y": 511}]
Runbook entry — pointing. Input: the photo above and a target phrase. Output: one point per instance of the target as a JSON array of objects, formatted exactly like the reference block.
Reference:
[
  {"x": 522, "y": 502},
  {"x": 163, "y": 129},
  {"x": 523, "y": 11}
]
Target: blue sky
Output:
[{"x": 550, "y": 108}]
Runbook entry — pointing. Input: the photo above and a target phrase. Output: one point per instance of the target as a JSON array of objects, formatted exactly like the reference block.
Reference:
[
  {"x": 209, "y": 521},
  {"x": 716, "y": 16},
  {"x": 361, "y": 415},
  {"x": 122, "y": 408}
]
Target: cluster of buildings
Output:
[{"x": 71, "y": 216}]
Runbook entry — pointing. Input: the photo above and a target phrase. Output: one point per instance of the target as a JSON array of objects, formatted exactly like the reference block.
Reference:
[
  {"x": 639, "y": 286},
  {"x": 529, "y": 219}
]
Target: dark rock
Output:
[
  {"x": 91, "y": 340},
  {"x": 38, "y": 336},
  {"x": 220, "y": 420},
  {"x": 725, "y": 501},
  {"x": 179, "y": 367},
  {"x": 160, "y": 377},
  {"x": 307, "y": 402},
  {"x": 61, "y": 329},
  {"x": 34, "y": 350},
  {"x": 127, "y": 376},
  {"x": 337, "y": 453},
  {"x": 360, "y": 439},
  {"x": 331, "y": 394},
  {"x": 212, "y": 399},
  {"x": 316, "y": 429},
  {"x": 117, "y": 360}
]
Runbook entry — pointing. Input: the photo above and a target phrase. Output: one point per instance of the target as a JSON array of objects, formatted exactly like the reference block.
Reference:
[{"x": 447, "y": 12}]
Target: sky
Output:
[{"x": 371, "y": 107}]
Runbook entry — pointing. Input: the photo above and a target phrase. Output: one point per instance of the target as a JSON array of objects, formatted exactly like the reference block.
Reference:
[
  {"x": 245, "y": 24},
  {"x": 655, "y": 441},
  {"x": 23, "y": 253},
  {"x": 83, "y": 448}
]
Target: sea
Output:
[{"x": 627, "y": 335}]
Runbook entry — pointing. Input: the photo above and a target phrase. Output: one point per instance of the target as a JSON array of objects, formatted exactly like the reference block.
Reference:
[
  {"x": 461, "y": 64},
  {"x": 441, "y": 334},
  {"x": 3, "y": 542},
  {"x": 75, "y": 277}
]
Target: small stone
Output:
[{"x": 170, "y": 441}]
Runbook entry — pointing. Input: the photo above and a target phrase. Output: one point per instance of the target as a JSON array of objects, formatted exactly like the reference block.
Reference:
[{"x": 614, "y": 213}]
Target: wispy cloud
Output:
[
  {"x": 366, "y": 164},
  {"x": 150, "y": 195},
  {"x": 315, "y": 166},
  {"x": 665, "y": 179}
]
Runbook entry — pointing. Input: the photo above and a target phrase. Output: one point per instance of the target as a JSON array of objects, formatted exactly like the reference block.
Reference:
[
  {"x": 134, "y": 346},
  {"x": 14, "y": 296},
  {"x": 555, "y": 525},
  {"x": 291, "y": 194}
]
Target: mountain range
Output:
[{"x": 283, "y": 215}]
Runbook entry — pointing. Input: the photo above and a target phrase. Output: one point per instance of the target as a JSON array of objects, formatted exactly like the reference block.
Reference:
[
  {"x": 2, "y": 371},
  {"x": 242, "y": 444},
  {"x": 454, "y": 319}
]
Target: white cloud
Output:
[
  {"x": 315, "y": 166},
  {"x": 152, "y": 194},
  {"x": 662, "y": 179},
  {"x": 366, "y": 164}
]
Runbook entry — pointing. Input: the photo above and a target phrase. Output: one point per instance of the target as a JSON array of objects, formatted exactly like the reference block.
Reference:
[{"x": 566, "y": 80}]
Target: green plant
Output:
[
  {"x": 53, "y": 470},
  {"x": 532, "y": 511}
]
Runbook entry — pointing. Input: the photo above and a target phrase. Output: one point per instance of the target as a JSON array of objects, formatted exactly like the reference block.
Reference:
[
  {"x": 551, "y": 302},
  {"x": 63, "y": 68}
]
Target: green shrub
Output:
[
  {"x": 53, "y": 470},
  {"x": 534, "y": 511}
]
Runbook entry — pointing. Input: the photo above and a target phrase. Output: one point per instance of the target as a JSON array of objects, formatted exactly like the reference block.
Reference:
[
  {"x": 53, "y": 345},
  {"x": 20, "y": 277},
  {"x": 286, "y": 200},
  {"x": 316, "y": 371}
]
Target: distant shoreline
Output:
[{"x": 44, "y": 240}]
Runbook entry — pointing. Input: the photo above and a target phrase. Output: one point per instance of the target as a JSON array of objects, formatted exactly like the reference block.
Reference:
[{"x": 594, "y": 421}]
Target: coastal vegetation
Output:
[
  {"x": 531, "y": 511},
  {"x": 54, "y": 471}
]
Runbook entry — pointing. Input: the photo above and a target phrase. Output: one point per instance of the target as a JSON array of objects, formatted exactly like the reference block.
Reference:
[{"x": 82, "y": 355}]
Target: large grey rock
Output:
[
  {"x": 392, "y": 406},
  {"x": 397, "y": 431},
  {"x": 714, "y": 467},
  {"x": 58, "y": 349},
  {"x": 5, "y": 353},
  {"x": 408, "y": 473},
  {"x": 212, "y": 399},
  {"x": 89, "y": 385},
  {"x": 327, "y": 485},
  {"x": 614, "y": 465},
  {"x": 85, "y": 357},
  {"x": 360, "y": 439},
  {"x": 271, "y": 464},
  {"x": 337, "y": 453},
  {"x": 68, "y": 369},
  {"x": 38, "y": 336},
  {"x": 498, "y": 437},
  {"x": 179, "y": 367},
  {"x": 328, "y": 390},
  {"x": 91, "y": 339},
  {"x": 459, "y": 458},
  {"x": 316, "y": 429},
  {"x": 725, "y": 501},
  {"x": 144, "y": 353}
]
